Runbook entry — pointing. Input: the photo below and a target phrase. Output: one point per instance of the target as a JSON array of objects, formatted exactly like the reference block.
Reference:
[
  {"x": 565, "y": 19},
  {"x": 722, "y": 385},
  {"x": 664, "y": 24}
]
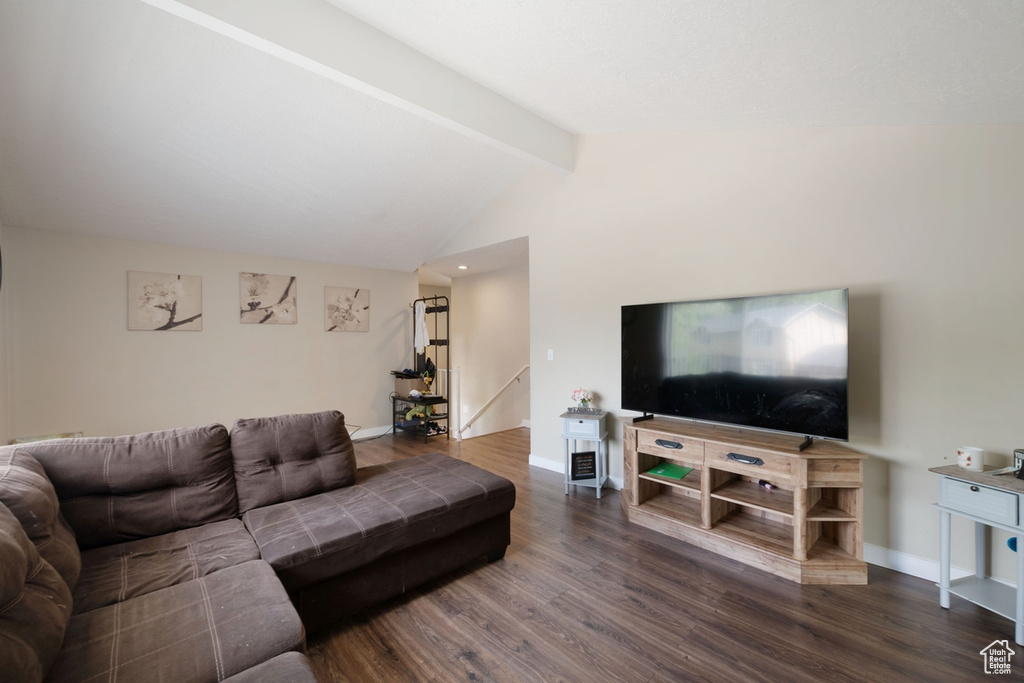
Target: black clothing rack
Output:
[{"x": 439, "y": 351}]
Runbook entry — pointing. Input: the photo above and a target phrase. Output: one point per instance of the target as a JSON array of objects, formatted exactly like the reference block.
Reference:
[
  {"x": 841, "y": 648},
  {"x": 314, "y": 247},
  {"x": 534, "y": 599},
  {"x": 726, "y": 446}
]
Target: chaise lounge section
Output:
[
  {"x": 188, "y": 551},
  {"x": 397, "y": 526},
  {"x": 343, "y": 539}
]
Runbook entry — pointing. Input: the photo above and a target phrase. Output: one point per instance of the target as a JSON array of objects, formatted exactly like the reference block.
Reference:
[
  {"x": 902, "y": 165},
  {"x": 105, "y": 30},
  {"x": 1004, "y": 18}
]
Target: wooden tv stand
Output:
[{"x": 808, "y": 529}]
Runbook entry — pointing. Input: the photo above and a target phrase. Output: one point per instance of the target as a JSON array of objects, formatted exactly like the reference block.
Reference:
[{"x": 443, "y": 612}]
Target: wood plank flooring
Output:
[{"x": 582, "y": 595}]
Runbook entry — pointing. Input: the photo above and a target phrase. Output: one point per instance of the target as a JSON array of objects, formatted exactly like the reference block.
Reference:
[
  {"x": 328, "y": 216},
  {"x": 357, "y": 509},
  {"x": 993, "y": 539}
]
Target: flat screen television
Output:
[{"x": 775, "y": 362}]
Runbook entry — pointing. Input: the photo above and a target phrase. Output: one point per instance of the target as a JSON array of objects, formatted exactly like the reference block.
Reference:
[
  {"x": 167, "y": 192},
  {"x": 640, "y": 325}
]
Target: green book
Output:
[{"x": 670, "y": 471}]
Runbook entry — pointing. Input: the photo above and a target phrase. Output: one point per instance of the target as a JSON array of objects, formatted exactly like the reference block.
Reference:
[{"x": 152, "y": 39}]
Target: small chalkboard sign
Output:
[{"x": 584, "y": 465}]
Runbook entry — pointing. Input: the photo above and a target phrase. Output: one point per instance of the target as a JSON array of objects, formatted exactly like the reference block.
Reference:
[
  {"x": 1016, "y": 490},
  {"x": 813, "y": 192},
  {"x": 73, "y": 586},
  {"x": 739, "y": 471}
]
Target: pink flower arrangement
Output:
[{"x": 581, "y": 395}]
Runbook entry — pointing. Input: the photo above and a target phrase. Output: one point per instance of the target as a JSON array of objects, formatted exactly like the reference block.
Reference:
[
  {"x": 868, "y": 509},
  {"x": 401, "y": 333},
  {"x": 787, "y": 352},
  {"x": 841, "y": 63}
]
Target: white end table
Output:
[
  {"x": 987, "y": 500},
  {"x": 588, "y": 428}
]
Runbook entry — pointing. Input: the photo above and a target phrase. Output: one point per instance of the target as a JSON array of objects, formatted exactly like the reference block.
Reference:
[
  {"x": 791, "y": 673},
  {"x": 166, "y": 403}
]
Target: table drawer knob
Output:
[
  {"x": 665, "y": 443},
  {"x": 975, "y": 489}
]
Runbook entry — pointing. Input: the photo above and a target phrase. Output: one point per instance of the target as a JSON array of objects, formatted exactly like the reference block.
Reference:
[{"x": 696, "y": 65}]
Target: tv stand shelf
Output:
[
  {"x": 689, "y": 483},
  {"x": 807, "y": 528},
  {"x": 753, "y": 496}
]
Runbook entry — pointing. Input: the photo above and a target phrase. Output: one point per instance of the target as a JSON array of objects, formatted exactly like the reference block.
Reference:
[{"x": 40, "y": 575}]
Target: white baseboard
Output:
[
  {"x": 370, "y": 432},
  {"x": 559, "y": 466},
  {"x": 907, "y": 564},
  {"x": 913, "y": 565},
  {"x": 526, "y": 423},
  {"x": 544, "y": 463}
]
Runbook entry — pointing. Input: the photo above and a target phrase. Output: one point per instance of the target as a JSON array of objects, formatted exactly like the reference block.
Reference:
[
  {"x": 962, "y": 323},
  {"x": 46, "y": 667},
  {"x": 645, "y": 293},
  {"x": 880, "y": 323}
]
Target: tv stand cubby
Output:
[{"x": 807, "y": 527}]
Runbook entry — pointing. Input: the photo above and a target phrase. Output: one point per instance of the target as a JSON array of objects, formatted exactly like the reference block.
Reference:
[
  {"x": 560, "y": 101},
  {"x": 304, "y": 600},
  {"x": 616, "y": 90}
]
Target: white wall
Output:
[
  {"x": 5, "y": 405},
  {"x": 490, "y": 344},
  {"x": 76, "y": 367},
  {"x": 924, "y": 225}
]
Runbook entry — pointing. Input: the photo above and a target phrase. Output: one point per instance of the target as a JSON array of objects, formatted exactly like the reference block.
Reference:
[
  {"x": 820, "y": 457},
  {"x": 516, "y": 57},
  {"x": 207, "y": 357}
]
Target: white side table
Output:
[
  {"x": 987, "y": 500},
  {"x": 578, "y": 427}
]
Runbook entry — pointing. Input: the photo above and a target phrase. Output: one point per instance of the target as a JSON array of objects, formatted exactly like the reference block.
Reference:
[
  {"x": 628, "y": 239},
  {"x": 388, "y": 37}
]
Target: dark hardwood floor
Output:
[{"x": 582, "y": 595}]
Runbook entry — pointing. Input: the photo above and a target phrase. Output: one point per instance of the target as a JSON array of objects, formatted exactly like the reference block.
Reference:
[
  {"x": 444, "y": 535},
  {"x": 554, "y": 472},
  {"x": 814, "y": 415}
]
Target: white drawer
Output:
[
  {"x": 581, "y": 428},
  {"x": 980, "y": 501}
]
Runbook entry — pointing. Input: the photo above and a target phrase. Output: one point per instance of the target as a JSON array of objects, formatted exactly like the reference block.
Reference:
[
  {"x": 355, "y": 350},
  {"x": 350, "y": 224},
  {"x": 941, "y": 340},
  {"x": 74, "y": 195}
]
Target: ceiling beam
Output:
[{"x": 315, "y": 35}]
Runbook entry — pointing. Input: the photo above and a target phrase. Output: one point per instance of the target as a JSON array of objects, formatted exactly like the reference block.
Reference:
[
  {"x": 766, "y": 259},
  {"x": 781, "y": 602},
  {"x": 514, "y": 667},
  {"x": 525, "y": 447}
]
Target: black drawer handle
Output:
[
  {"x": 745, "y": 459},
  {"x": 975, "y": 489},
  {"x": 674, "y": 445}
]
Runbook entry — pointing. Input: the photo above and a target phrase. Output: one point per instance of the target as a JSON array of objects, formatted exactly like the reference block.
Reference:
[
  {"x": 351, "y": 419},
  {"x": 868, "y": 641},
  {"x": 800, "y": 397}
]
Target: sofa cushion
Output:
[
  {"x": 27, "y": 493},
  {"x": 290, "y": 456},
  {"x": 390, "y": 507},
  {"x": 202, "y": 630},
  {"x": 291, "y": 667},
  {"x": 121, "y": 488},
  {"x": 115, "y": 573},
  {"x": 35, "y": 605}
]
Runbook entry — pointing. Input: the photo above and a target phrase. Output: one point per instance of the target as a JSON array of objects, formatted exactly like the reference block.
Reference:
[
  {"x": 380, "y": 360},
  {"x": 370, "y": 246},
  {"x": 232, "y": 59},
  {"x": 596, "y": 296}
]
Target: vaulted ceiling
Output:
[{"x": 368, "y": 133}]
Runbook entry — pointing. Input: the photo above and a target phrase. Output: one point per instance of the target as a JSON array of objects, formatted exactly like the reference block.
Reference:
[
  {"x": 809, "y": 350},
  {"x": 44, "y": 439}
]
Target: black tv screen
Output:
[{"x": 774, "y": 362}]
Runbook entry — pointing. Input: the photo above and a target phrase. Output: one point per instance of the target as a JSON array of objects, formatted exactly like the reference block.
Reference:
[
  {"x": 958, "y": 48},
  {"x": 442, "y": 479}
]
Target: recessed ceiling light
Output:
[{"x": 463, "y": 267}]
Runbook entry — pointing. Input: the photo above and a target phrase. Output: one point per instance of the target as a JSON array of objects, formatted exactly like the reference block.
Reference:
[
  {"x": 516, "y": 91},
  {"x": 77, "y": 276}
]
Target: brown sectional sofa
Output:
[{"x": 193, "y": 552}]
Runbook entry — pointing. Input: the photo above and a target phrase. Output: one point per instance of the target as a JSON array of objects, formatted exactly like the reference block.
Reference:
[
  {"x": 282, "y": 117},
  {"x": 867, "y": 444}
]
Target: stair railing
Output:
[{"x": 487, "y": 404}]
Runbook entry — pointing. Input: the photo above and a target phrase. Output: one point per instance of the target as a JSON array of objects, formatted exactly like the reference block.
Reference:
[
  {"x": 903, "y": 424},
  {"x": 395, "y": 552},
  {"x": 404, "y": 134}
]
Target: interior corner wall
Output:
[
  {"x": 923, "y": 224},
  {"x": 490, "y": 344},
  {"x": 74, "y": 365},
  {"x": 435, "y": 290}
]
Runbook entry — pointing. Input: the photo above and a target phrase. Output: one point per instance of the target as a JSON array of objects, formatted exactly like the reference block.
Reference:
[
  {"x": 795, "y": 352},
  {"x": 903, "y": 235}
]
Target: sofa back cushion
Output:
[
  {"x": 29, "y": 495},
  {"x": 290, "y": 456},
  {"x": 122, "y": 488},
  {"x": 35, "y": 605}
]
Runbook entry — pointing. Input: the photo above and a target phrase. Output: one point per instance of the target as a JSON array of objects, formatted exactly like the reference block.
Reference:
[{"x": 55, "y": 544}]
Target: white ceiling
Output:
[
  {"x": 149, "y": 120},
  {"x": 612, "y": 65},
  {"x": 442, "y": 270}
]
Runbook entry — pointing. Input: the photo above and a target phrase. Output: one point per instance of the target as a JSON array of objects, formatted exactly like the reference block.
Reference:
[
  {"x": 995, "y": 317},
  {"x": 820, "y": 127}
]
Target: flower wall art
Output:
[
  {"x": 346, "y": 309},
  {"x": 162, "y": 301},
  {"x": 268, "y": 299}
]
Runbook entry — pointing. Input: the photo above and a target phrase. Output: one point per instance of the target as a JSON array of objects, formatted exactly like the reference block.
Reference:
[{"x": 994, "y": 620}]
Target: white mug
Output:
[{"x": 970, "y": 458}]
